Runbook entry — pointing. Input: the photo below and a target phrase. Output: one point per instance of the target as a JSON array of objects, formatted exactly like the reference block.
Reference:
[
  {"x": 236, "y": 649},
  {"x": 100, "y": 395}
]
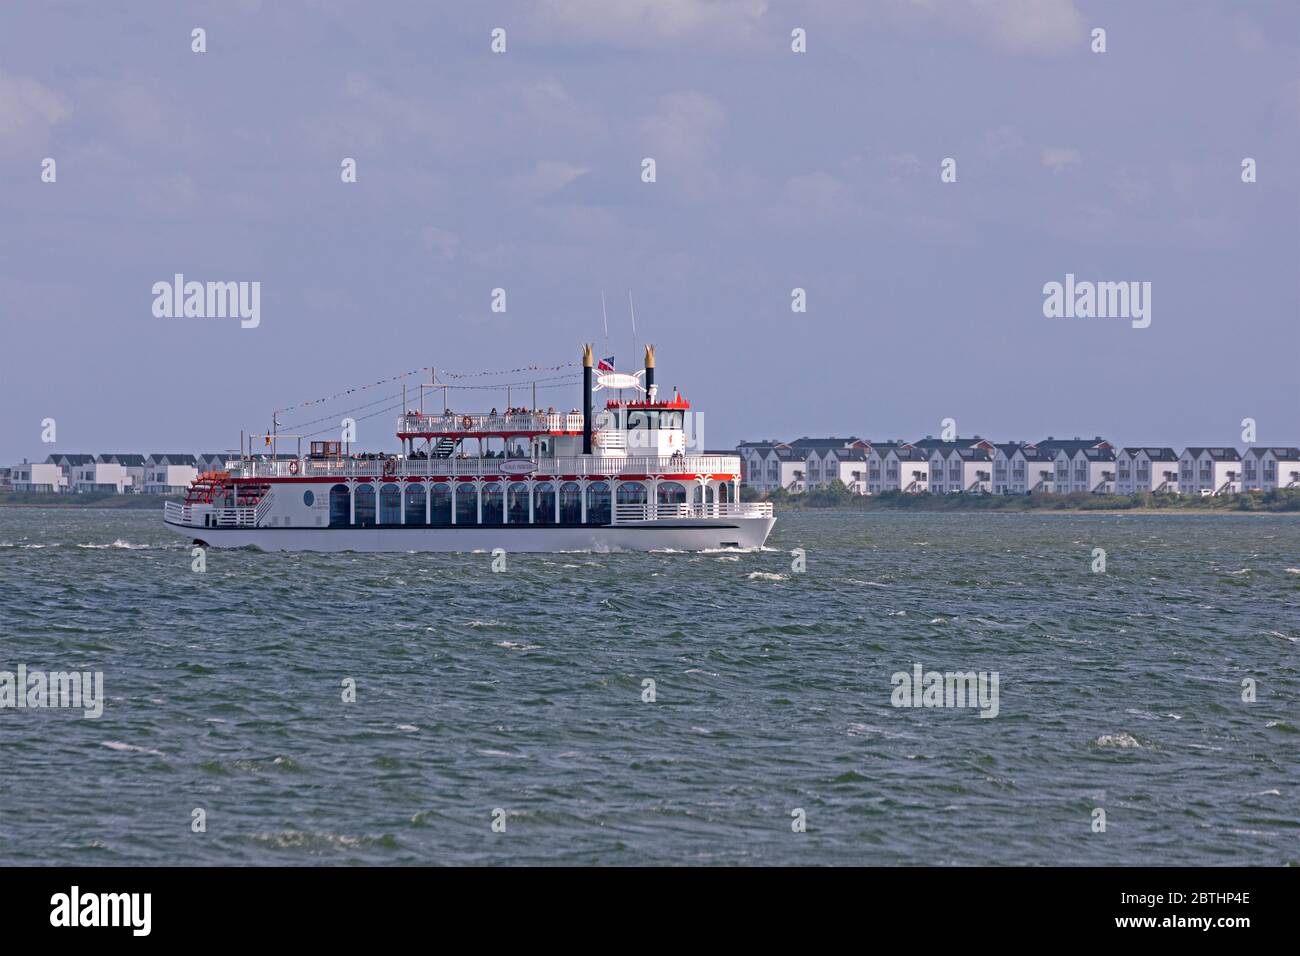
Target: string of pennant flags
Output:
[{"x": 429, "y": 369}]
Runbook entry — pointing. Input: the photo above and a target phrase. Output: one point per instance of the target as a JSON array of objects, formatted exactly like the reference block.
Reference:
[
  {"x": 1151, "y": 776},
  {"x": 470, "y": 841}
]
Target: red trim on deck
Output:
[{"x": 411, "y": 479}]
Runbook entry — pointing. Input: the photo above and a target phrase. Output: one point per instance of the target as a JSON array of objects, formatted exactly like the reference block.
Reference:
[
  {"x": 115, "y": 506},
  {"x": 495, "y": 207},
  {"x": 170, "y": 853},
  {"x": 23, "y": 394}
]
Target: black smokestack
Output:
[
  {"x": 586, "y": 399},
  {"x": 650, "y": 372}
]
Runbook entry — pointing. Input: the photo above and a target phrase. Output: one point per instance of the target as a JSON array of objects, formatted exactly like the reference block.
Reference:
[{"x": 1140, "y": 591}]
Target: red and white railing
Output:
[
  {"x": 649, "y": 511},
  {"x": 176, "y": 513},
  {"x": 523, "y": 423},
  {"x": 718, "y": 466}
]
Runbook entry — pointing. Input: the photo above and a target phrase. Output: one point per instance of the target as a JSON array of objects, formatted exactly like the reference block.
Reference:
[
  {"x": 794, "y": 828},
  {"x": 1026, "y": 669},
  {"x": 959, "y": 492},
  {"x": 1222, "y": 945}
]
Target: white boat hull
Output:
[{"x": 703, "y": 534}]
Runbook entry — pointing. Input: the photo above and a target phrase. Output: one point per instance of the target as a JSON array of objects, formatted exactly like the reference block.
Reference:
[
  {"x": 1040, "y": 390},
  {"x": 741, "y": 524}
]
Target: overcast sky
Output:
[{"x": 775, "y": 170}]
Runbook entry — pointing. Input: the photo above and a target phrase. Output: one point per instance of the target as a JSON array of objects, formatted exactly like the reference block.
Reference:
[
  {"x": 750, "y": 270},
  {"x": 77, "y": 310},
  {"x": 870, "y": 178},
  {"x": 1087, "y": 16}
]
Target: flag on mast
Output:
[{"x": 605, "y": 364}]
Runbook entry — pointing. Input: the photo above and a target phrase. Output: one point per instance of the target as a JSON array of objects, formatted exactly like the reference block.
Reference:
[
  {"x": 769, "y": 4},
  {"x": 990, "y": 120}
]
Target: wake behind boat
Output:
[{"x": 619, "y": 480}]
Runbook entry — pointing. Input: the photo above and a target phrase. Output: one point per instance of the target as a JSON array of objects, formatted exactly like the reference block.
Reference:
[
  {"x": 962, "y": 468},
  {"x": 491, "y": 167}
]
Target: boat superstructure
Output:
[{"x": 524, "y": 480}]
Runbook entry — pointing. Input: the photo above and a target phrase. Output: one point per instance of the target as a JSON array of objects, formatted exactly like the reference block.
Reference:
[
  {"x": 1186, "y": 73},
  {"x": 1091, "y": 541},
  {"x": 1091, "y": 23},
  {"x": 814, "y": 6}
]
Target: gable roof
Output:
[
  {"x": 1155, "y": 454},
  {"x": 909, "y": 453},
  {"x": 1218, "y": 454},
  {"x": 850, "y": 454},
  {"x": 169, "y": 459},
  {"x": 128, "y": 461},
  {"x": 1072, "y": 445},
  {"x": 1099, "y": 454},
  {"x": 807, "y": 443},
  {"x": 931, "y": 443},
  {"x": 1280, "y": 452},
  {"x": 71, "y": 460}
]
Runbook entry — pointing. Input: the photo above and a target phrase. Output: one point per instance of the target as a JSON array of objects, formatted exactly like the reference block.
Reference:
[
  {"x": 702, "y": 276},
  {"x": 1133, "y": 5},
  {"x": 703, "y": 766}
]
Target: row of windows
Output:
[{"x": 497, "y": 500}]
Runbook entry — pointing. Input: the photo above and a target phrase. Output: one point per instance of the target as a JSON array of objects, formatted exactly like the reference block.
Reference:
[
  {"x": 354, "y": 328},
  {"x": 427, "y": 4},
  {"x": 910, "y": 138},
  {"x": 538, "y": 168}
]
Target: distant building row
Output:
[
  {"x": 978, "y": 466},
  {"x": 148, "y": 474}
]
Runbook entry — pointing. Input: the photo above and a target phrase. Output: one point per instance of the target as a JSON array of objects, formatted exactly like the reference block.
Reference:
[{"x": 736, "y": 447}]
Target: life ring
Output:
[
  {"x": 390, "y": 467},
  {"x": 467, "y": 423},
  {"x": 293, "y": 467}
]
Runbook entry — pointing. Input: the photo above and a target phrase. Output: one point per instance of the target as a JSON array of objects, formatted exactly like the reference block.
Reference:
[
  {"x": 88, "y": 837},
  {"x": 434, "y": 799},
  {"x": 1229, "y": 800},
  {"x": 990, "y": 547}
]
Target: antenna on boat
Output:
[
  {"x": 631, "y": 309},
  {"x": 605, "y": 316}
]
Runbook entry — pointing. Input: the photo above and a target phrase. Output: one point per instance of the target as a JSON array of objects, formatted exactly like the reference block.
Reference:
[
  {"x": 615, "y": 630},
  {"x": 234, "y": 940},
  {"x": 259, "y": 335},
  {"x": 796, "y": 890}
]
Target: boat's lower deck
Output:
[{"x": 665, "y": 535}]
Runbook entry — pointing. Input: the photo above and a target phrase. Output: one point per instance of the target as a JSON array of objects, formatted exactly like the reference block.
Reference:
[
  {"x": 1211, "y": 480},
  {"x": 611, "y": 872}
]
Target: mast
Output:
[{"x": 586, "y": 399}]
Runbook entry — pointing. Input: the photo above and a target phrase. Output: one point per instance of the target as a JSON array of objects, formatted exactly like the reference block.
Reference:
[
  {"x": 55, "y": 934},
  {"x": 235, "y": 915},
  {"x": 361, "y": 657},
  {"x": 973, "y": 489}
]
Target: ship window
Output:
[
  {"x": 390, "y": 504},
  {"x": 570, "y": 503},
  {"x": 517, "y": 495},
  {"x": 639, "y": 418},
  {"x": 340, "y": 507},
  {"x": 308, "y": 498},
  {"x": 413, "y": 503},
  {"x": 544, "y": 503},
  {"x": 598, "y": 508},
  {"x": 365, "y": 506},
  {"x": 671, "y": 493},
  {"x": 632, "y": 493},
  {"x": 493, "y": 508},
  {"x": 440, "y": 504},
  {"x": 466, "y": 503}
]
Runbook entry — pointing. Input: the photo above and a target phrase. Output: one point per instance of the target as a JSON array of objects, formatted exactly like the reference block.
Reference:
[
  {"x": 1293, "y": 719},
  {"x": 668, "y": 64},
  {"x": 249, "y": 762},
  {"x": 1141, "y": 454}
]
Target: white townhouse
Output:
[
  {"x": 849, "y": 465},
  {"x": 907, "y": 469},
  {"x": 951, "y": 470},
  {"x": 1039, "y": 472},
  {"x": 1143, "y": 469},
  {"x": 789, "y": 468},
  {"x": 753, "y": 464},
  {"x": 169, "y": 474},
  {"x": 72, "y": 467},
  {"x": 133, "y": 465},
  {"x": 98, "y": 476},
  {"x": 958, "y": 470},
  {"x": 878, "y": 465},
  {"x": 1006, "y": 457},
  {"x": 821, "y": 464},
  {"x": 768, "y": 466},
  {"x": 38, "y": 476},
  {"x": 1209, "y": 471},
  {"x": 1081, "y": 464},
  {"x": 1265, "y": 469},
  {"x": 1020, "y": 468}
]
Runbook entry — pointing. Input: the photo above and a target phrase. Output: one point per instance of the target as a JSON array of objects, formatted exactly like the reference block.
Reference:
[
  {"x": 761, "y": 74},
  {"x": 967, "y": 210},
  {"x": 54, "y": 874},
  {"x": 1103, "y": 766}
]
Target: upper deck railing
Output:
[
  {"x": 519, "y": 423},
  {"x": 394, "y": 467}
]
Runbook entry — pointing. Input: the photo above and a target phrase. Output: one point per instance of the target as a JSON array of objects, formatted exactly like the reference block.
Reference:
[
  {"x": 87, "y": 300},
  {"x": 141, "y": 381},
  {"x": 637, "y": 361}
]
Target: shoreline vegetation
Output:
[{"x": 837, "y": 496}]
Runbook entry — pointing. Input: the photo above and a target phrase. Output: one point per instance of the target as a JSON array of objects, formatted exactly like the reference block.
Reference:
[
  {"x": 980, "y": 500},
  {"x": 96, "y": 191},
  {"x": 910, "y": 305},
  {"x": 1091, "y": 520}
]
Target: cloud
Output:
[
  {"x": 684, "y": 129},
  {"x": 646, "y": 23},
  {"x": 810, "y": 197},
  {"x": 1001, "y": 140},
  {"x": 1059, "y": 158},
  {"x": 440, "y": 242},
  {"x": 547, "y": 177},
  {"x": 1023, "y": 27},
  {"x": 29, "y": 110}
]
